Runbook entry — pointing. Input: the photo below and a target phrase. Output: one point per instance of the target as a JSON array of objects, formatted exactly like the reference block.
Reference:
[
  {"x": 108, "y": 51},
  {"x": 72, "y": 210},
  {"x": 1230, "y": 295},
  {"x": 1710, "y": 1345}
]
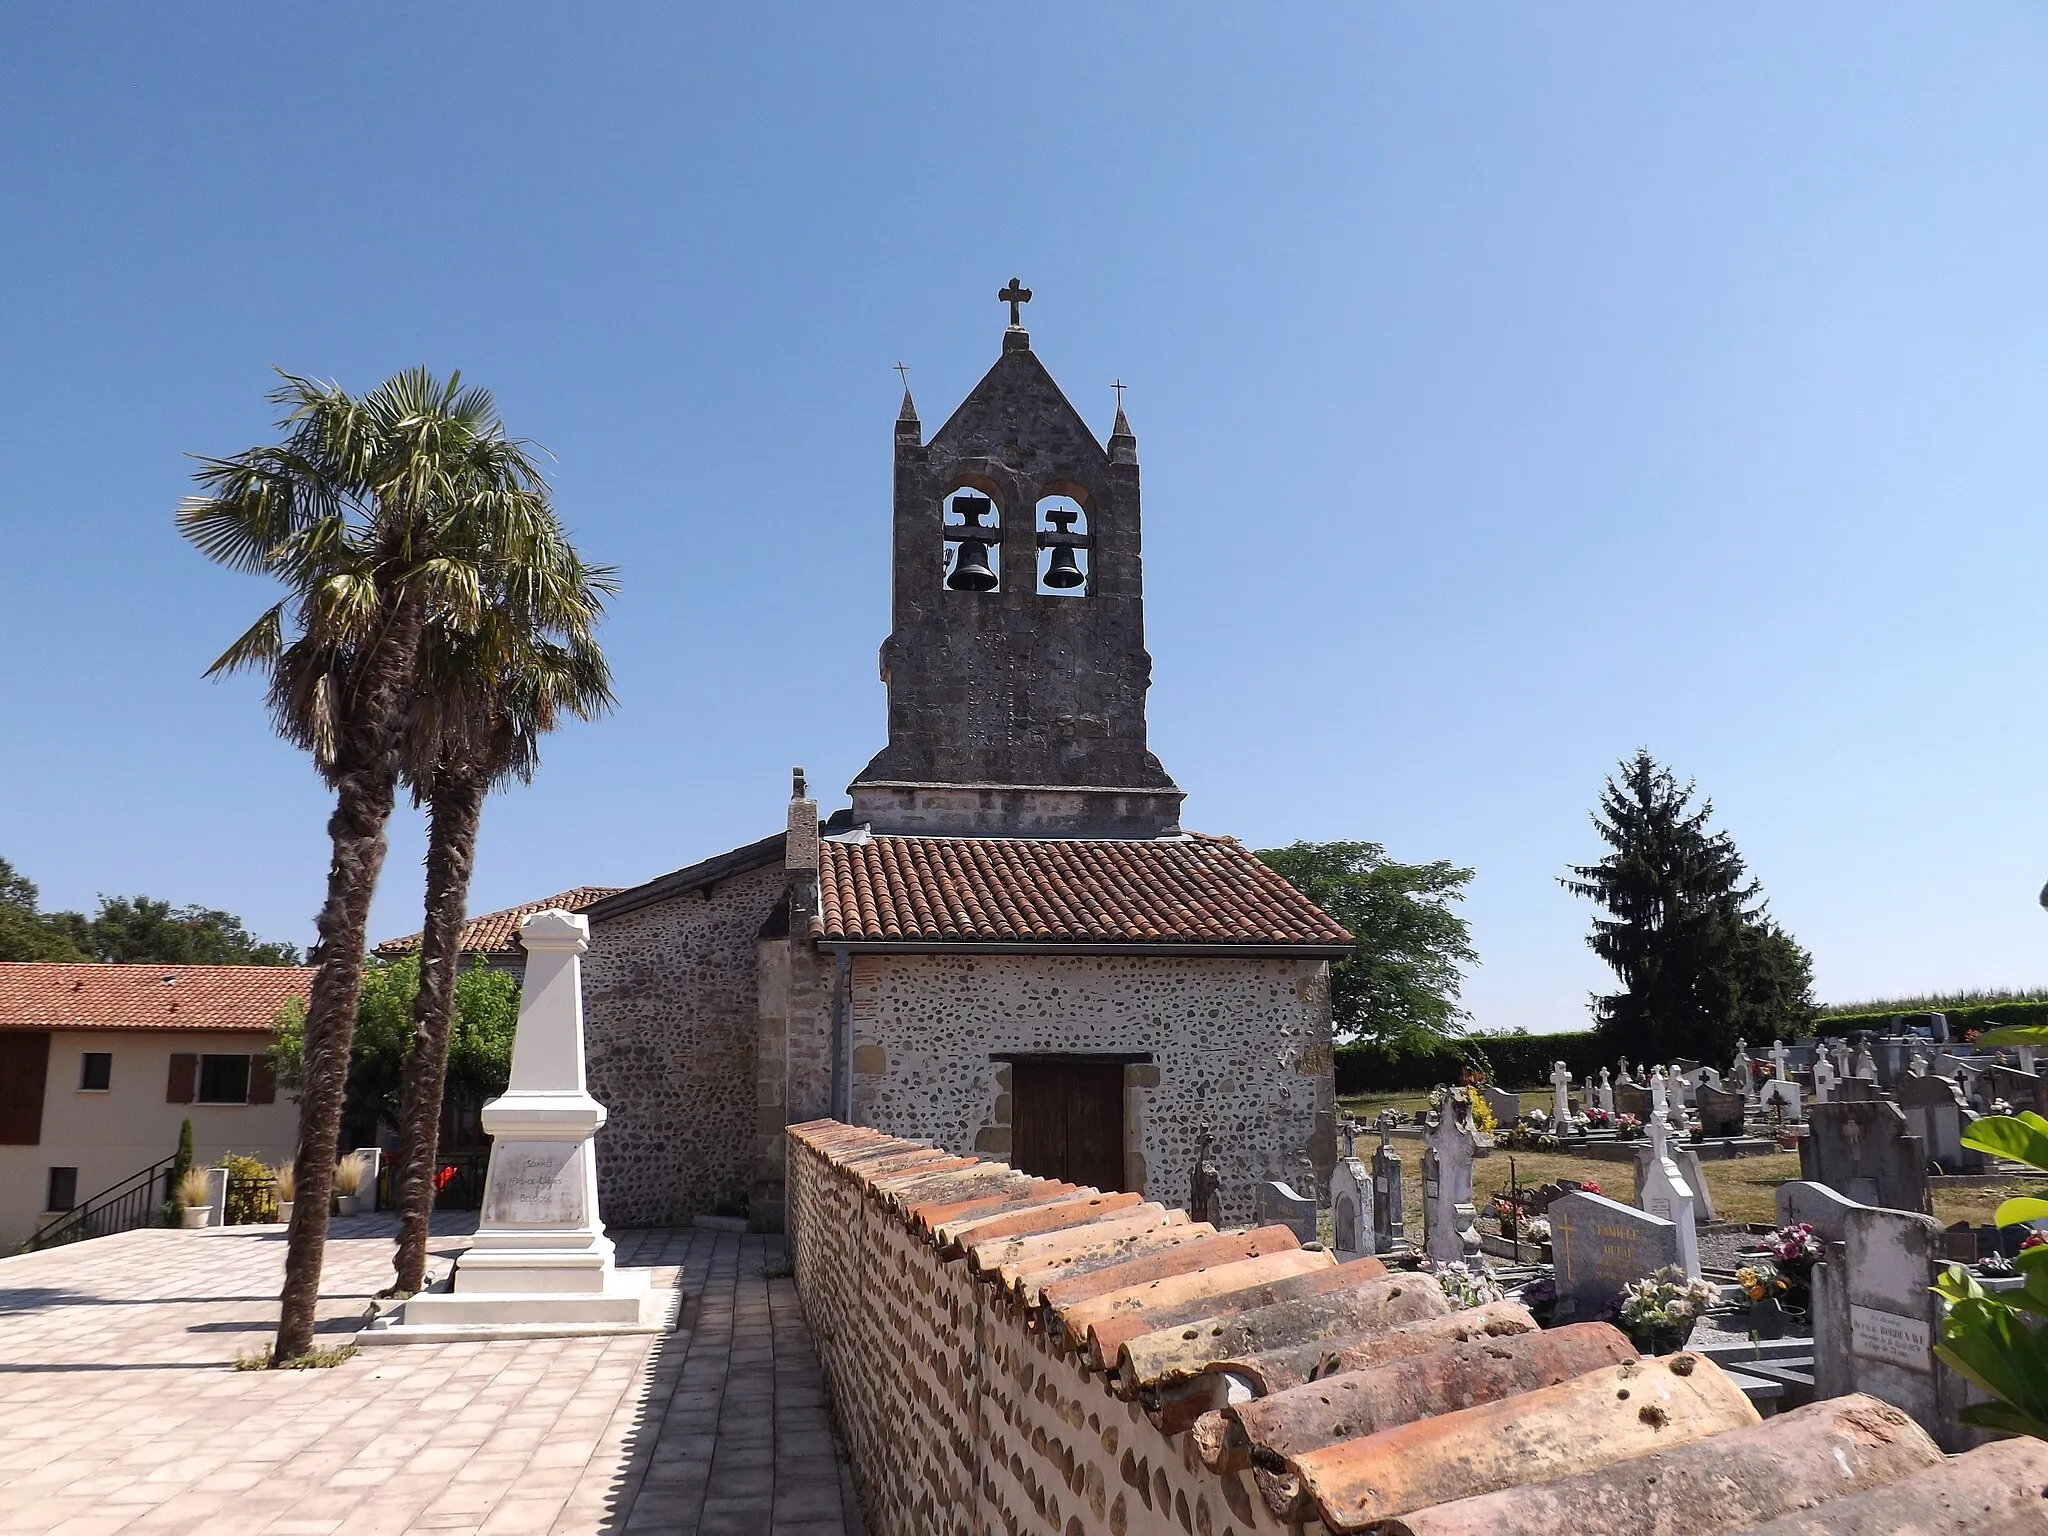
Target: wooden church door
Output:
[{"x": 1067, "y": 1121}]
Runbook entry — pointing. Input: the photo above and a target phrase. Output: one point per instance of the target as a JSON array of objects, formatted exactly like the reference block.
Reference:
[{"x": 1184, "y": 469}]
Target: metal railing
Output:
[
  {"x": 458, "y": 1182},
  {"x": 250, "y": 1201},
  {"x": 137, "y": 1201}
]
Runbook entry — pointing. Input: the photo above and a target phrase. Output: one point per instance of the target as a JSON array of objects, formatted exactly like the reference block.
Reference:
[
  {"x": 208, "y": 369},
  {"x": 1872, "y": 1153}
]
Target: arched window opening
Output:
[
  {"x": 1065, "y": 547},
  {"x": 973, "y": 534}
]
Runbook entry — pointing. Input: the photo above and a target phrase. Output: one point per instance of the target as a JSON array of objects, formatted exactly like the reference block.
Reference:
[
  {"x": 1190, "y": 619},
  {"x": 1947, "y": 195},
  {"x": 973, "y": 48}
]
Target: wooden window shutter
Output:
[
  {"x": 184, "y": 1078},
  {"x": 24, "y": 1071},
  {"x": 262, "y": 1079}
]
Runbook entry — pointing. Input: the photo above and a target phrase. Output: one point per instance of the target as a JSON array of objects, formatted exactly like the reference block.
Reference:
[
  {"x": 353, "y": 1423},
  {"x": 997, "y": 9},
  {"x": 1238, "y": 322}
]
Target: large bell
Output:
[
  {"x": 1063, "y": 570},
  {"x": 970, "y": 568}
]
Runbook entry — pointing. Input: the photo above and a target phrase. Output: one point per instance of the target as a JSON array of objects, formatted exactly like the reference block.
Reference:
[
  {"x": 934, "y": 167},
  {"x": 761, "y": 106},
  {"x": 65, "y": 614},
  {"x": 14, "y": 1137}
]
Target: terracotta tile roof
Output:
[
  {"x": 40, "y": 995},
  {"x": 498, "y": 932},
  {"x": 1408, "y": 1420},
  {"x": 1197, "y": 890}
]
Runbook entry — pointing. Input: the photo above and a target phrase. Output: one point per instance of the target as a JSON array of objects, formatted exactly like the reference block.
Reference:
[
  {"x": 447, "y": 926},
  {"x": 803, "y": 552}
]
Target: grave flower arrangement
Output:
[
  {"x": 1660, "y": 1310},
  {"x": 1794, "y": 1250},
  {"x": 1598, "y": 1118},
  {"x": 1465, "y": 1285},
  {"x": 1628, "y": 1126},
  {"x": 1760, "y": 1281}
]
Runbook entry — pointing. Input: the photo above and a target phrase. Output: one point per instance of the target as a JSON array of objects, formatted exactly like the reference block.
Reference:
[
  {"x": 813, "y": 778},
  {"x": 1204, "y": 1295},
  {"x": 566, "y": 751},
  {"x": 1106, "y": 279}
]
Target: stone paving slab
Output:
[{"x": 119, "y": 1412}]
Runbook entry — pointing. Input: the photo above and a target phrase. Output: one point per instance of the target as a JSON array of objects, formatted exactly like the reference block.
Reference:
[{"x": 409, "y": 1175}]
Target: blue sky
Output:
[{"x": 1514, "y": 386}]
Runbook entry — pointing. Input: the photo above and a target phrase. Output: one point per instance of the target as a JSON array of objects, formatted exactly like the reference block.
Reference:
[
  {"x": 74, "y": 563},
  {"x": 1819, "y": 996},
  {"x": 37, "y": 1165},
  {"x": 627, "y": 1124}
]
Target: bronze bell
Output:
[
  {"x": 970, "y": 568},
  {"x": 1063, "y": 571}
]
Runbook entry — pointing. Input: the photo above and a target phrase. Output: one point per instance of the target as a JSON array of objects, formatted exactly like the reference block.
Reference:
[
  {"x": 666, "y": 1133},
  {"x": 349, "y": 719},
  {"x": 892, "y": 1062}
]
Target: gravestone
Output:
[
  {"x": 1351, "y": 1212},
  {"x": 1936, "y": 1113},
  {"x": 1664, "y": 1105},
  {"x": 1780, "y": 1062},
  {"x": 2020, "y": 1088},
  {"x": 1780, "y": 1098},
  {"x": 1632, "y": 1101},
  {"x": 1821, "y": 1208},
  {"x": 1688, "y": 1160},
  {"x": 1662, "y": 1190},
  {"x": 1599, "y": 1245},
  {"x": 1506, "y": 1107},
  {"x": 1824, "y": 1076},
  {"x": 1866, "y": 1064},
  {"x": 1274, "y": 1203},
  {"x": 1205, "y": 1183},
  {"x": 1875, "y": 1321},
  {"x": 1388, "y": 1225},
  {"x": 1845, "y": 1065},
  {"x": 1603, "y": 1092},
  {"x": 1448, "y": 1145},
  {"x": 1917, "y": 1067},
  {"x": 1864, "y": 1149},
  {"x": 1560, "y": 1092},
  {"x": 1721, "y": 1112},
  {"x": 1622, "y": 1079}
]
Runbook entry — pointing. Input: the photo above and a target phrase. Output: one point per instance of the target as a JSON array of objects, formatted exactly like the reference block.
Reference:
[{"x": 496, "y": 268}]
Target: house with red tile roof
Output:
[
  {"x": 100, "y": 1063},
  {"x": 1007, "y": 943},
  {"x": 494, "y": 937}
]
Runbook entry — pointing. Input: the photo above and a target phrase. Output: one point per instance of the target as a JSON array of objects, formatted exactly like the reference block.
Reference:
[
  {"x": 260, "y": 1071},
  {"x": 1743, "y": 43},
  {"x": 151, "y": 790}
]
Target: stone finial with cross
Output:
[{"x": 1014, "y": 295}]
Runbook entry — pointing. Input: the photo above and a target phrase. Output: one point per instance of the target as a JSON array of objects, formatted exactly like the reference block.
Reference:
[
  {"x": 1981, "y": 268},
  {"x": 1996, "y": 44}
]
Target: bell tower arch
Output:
[{"x": 1016, "y": 679}]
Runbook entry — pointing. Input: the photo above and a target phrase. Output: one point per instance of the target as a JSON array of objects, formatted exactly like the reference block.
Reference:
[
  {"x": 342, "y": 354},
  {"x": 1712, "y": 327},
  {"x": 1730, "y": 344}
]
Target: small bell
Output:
[
  {"x": 970, "y": 568},
  {"x": 1063, "y": 571}
]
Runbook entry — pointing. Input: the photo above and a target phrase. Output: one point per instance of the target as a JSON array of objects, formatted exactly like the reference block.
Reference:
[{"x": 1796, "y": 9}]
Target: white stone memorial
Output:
[
  {"x": 1560, "y": 1085},
  {"x": 1449, "y": 1230},
  {"x": 1351, "y": 1212},
  {"x": 1783, "y": 1097},
  {"x": 1823, "y": 1078},
  {"x": 1603, "y": 1092},
  {"x": 1666, "y": 1193},
  {"x": 540, "y": 1263}
]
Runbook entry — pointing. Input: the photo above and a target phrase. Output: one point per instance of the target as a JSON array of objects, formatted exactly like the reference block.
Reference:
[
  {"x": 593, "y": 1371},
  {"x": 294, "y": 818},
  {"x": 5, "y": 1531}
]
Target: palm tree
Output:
[
  {"x": 485, "y": 698},
  {"x": 379, "y": 515}
]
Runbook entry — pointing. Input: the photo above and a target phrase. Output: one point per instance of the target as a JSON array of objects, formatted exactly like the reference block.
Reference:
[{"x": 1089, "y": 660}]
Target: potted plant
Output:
[
  {"x": 1793, "y": 1251},
  {"x": 348, "y": 1184},
  {"x": 284, "y": 1179},
  {"x": 194, "y": 1198},
  {"x": 1764, "y": 1289},
  {"x": 1659, "y": 1311}
]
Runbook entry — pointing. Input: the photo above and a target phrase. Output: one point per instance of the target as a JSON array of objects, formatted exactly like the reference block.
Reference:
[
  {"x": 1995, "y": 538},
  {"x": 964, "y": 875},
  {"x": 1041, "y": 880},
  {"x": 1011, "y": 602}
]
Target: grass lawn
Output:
[{"x": 1743, "y": 1188}]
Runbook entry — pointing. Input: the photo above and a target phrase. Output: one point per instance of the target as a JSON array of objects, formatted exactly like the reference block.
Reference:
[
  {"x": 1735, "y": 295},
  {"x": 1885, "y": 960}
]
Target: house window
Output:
[
  {"x": 63, "y": 1189},
  {"x": 224, "y": 1079},
  {"x": 96, "y": 1071}
]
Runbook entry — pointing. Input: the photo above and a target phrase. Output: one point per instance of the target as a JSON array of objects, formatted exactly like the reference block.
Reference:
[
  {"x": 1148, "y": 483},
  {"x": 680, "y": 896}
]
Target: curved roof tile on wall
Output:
[
  {"x": 1285, "y": 1366},
  {"x": 46, "y": 995},
  {"x": 1198, "y": 890},
  {"x": 495, "y": 931}
]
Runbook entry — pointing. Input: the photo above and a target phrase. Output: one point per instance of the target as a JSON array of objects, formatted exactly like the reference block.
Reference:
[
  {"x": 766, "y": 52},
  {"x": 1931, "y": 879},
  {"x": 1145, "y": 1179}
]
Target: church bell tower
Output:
[{"x": 1016, "y": 662}]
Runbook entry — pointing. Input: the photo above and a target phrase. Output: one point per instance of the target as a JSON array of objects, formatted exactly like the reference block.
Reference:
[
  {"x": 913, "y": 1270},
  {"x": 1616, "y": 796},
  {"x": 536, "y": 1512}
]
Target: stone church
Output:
[{"x": 1007, "y": 943}]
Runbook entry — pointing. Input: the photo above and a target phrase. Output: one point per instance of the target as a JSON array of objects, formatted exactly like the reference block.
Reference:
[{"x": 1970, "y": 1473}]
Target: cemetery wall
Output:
[
  {"x": 1243, "y": 1045},
  {"x": 671, "y": 1024}
]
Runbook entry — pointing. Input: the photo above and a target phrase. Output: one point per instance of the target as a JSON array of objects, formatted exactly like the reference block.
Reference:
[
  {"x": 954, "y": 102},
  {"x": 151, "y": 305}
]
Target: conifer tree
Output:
[{"x": 1700, "y": 961}]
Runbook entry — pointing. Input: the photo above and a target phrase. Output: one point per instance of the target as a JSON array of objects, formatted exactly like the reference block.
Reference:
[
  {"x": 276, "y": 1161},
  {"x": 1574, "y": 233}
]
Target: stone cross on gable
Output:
[
  {"x": 1013, "y": 296},
  {"x": 1560, "y": 1081}
]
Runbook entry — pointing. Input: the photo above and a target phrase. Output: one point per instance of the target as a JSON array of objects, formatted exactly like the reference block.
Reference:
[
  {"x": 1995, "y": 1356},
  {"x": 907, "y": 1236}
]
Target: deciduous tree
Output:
[{"x": 1400, "y": 982}]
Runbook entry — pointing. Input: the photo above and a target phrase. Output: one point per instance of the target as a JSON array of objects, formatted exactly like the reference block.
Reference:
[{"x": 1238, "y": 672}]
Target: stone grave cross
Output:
[
  {"x": 1665, "y": 1193},
  {"x": 1778, "y": 1058},
  {"x": 1389, "y": 1226},
  {"x": 1823, "y": 1078},
  {"x": 1560, "y": 1082},
  {"x": 1448, "y": 1146},
  {"x": 1603, "y": 1092}
]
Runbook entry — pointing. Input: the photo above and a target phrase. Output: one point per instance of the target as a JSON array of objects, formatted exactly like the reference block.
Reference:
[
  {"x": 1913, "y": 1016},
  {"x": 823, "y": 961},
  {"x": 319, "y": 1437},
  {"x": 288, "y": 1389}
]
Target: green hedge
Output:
[
  {"x": 1979, "y": 1016},
  {"x": 1518, "y": 1061}
]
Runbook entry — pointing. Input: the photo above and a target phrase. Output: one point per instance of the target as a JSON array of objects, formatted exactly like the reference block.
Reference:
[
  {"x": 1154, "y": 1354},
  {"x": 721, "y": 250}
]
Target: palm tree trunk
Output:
[
  {"x": 457, "y": 801},
  {"x": 366, "y": 780}
]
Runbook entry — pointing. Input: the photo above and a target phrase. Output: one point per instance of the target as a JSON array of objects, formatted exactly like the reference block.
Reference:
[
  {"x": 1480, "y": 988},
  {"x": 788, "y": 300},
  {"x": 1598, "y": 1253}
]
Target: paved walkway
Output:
[{"x": 118, "y": 1411}]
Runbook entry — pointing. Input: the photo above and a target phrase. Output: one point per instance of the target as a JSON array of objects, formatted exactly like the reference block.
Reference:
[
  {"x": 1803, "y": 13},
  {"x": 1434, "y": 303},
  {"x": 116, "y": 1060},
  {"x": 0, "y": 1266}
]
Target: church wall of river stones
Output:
[{"x": 1242, "y": 1046}]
